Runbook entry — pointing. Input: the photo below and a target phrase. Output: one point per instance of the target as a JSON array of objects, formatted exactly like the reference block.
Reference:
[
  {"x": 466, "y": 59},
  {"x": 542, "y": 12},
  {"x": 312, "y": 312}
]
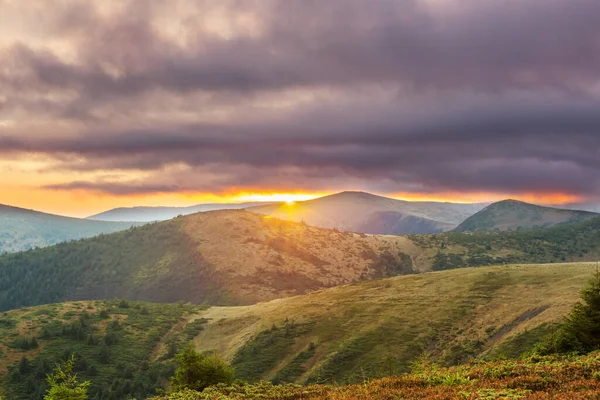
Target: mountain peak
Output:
[{"x": 510, "y": 214}]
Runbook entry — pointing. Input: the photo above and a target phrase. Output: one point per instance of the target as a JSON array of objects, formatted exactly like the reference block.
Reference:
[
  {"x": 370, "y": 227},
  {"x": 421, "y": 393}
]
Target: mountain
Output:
[
  {"x": 342, "y": 334},
  {"x": 22, "y": 229},
  {"x": 151, "y": 214},
  {"x": 224, "y": 257},
  {"x": 368, "y": 213},
  {"x": 231, "y": 257},
  {"x": 377, "y": 328},
  {"x": 510, "y": 215}
]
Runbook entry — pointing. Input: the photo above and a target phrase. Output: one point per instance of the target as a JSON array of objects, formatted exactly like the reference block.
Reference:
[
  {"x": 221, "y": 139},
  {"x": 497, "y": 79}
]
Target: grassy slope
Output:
[
  {"x": 516, "y": 215},
  {"x": 135, "y": 362},
  {"x": 375, "y": 328},
  {"x": 237, "y": 257},
  {"x": 22, "y": 229},
  {"x": 338, "y": 335},
  {"x": 548, "y": 378}
]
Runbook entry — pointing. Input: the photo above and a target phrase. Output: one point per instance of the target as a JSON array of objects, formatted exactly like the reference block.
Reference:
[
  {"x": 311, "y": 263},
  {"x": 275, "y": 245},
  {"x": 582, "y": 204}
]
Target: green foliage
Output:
[
  {"x": 23, "y": 343},
  {"x": 540, "y": 378},
  {"x": 198, "y": 371},
  {"x": 292, "y": 371},
  {"x": 574, "y": 242},
  {"x": 262, "y": 353},
  {"x": 64, "y": 385},
  {"x": 113, "y": 350},
  {"x": 581, "y": 331},
  {"x": 154, "y": 261}
]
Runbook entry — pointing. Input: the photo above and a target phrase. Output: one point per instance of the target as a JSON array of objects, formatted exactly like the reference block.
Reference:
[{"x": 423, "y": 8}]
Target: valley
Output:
[{"x": 339, "y": 335}]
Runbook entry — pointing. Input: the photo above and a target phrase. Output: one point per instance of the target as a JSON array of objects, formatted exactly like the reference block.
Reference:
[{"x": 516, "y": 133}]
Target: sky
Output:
[{"x": 107, "y": 103}]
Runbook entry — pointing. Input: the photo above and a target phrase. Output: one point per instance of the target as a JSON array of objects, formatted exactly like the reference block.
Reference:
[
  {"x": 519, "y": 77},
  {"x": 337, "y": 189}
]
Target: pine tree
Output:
[
  {"x": 63, "y": 383},
  {"x": 581, "y": 331}
]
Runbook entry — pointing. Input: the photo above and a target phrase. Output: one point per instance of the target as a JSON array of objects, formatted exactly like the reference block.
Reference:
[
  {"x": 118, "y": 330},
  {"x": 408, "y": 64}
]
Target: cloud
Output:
[{"x": 387, "y": 95}]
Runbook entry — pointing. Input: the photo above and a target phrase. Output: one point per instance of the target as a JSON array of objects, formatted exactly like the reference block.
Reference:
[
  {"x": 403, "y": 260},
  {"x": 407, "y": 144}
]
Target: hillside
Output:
[
  {"x": 377, "y": 328},
  {"x": 151, "y": 214},
  {"x": 224, "y": 257},
  {"x": 368, "y": 213},
  {"x": 22, "y": 229},
  {"x": 512, "y": 215},
  {"x": 114, "y": 343},
  {"x": 338, "y": 335},
  {"x": 235, "y": 257}
]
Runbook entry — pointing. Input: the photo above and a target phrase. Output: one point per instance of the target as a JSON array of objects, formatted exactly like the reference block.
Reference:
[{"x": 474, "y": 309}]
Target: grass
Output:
[
  {"x": 542, "y": 378},
  {"x": 339, "y": 336},
  {"x": 371, "y": 329}
]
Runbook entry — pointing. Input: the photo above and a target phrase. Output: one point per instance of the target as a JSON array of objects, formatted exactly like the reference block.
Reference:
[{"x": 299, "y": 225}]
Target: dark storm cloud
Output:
[
  {"x": 407, "y": 95},
  {"x": 485, "y": 45}
]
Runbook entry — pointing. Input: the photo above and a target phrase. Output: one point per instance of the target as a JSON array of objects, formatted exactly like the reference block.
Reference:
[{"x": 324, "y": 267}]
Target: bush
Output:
[{"x": 198, "y": 371}]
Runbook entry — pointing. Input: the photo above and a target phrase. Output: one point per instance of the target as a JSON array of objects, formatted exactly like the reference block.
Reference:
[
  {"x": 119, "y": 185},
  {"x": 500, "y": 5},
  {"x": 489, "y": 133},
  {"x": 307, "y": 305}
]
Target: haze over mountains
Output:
[
  {"x": 511, "y": 215},
  {"x": 368, "y": 213},
  {"x": 149, "y": 214},
  {"x": 22, "y": 229}
]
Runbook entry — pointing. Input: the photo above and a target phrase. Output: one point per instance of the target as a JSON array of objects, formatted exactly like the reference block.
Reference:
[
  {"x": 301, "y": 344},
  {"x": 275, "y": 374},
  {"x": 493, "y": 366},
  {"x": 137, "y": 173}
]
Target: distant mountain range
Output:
[
  {"x": 511, "y": 215},
  {"x": 369, "y": 213},
  {"x": 22, "y": 229},
  {"x": 150, "y": 214},
  {"x": 232, "y": 257}
]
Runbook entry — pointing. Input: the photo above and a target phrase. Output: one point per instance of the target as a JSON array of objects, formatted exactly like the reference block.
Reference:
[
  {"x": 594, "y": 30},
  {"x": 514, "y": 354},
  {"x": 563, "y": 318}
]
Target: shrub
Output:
[{"x": 198, "y": 371}]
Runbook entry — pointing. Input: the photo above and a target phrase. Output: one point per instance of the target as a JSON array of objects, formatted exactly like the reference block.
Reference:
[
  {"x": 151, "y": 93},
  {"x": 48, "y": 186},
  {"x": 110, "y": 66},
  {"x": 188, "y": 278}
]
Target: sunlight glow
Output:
[{"x": 288, "y": 198}]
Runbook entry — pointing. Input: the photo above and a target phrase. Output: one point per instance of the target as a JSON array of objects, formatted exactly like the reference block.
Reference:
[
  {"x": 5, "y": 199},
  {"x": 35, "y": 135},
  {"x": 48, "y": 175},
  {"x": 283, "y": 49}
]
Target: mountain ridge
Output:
[
  {"x": 233, "y": 257},
  {"x": 364, "y": 212},
  {"x": 163, "y": 213},
  {"x": 22, "y": 229},
  {"x": 513, "y": 214}
]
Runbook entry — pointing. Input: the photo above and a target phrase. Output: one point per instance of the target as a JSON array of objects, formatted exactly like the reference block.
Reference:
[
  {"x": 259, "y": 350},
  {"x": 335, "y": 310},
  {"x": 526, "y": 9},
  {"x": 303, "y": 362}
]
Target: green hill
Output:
[
  {"x": 378, "y": 328},
  {"x": 236, "y": 257},
  {"x": 512, "y": 215},
  {"x": 22, "y": 229},
  {"x": 339, "y": 335},
  {"x": 116, "y": 345}
]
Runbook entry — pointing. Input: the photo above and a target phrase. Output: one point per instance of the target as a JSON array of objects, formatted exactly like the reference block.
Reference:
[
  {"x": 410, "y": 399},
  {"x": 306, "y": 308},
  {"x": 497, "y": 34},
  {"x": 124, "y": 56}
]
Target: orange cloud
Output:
[{"x": 482, "y": 197}]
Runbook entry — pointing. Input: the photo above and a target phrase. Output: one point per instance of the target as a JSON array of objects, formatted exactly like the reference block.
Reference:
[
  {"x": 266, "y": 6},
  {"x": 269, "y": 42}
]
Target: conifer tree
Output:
[
  {"x": 63, "y": 384},
  {"x": 581, "y": 331}
]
